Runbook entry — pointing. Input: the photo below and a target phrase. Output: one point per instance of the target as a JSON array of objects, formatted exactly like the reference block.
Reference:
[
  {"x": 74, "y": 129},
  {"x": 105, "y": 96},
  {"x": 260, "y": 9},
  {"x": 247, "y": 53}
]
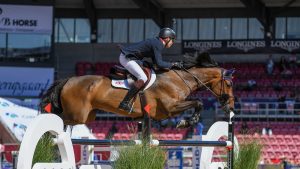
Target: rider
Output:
[{"x": 150, "y": 48}]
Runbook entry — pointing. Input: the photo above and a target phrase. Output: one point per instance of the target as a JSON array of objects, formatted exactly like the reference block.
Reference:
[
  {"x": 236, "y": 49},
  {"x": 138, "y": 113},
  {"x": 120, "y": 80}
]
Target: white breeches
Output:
[{"x": 133, "y": 68}]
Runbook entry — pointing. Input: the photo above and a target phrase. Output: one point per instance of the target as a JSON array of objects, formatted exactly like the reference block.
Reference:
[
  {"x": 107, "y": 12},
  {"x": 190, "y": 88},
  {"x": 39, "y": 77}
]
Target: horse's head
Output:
[
  {"x": 223, "y": 89},
  {"x": 220, "y": 84}
]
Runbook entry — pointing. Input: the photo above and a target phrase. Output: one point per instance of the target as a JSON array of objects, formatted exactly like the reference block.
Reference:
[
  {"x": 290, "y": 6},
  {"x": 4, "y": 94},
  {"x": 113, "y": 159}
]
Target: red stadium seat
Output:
[
  {"x": 125, "y": 136},
  {"x": 296, "y": 138},
  {"x": 279, "y": 138},
  {"x": 170, "y": 136},
  {"x": 117, "y": 136},
  {"x": 163, "y": 137},
  {"x": 178, "y": 136},
  {"x": 288, "y": 139},
  {"x": 100, "y": 136}
]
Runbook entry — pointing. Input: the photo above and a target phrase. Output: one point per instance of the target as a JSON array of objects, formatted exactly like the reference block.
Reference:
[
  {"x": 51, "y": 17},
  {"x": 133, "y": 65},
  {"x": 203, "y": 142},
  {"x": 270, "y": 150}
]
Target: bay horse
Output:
[{"x": 76, "y": 99}]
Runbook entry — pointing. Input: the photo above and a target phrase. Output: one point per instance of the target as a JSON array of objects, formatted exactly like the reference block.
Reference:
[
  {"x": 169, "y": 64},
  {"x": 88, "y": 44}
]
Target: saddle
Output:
[{"x": 122, "y": 78}]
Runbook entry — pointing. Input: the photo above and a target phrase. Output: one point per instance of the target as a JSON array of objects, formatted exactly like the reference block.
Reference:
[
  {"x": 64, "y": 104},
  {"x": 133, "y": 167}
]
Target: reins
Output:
[
  {"x": 184, "y": 80},
  {"x": 199, "y": 82},
  {"x": 222, "y": 97}
]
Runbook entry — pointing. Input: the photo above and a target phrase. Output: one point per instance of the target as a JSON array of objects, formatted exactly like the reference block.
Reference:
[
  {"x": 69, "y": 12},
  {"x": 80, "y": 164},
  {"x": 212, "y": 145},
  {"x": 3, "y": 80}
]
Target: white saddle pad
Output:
[{"x": 127, "y": 83}]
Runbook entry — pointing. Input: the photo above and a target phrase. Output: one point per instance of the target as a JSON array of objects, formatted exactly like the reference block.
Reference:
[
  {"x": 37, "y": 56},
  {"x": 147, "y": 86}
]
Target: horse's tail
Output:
[{"x": 50, "y": 101}]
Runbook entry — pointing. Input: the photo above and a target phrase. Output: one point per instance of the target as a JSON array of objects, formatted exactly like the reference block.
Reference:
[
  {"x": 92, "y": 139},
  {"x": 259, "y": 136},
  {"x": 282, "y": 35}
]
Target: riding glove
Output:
[{"x": 178, "y": 64}]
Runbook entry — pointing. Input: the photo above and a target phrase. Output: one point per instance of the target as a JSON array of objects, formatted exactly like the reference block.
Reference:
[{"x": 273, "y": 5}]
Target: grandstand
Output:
[{"x": 259, "y": 38}]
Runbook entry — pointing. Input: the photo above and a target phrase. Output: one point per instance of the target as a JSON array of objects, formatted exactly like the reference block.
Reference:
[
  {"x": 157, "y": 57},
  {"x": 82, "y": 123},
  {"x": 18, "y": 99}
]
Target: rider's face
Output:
[{"x": 171, "y": 41}]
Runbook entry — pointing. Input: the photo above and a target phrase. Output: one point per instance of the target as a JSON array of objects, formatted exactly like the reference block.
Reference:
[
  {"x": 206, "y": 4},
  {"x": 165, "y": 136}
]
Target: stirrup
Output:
[{"x": 126, "y": 107}]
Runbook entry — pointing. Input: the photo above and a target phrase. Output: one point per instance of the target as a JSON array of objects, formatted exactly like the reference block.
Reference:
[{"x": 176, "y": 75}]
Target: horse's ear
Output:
[{"x": 229, "y": 73}]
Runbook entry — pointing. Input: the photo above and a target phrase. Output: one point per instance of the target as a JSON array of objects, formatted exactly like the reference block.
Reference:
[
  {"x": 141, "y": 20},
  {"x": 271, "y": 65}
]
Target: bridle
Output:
[{"x": 223, "y": 98}]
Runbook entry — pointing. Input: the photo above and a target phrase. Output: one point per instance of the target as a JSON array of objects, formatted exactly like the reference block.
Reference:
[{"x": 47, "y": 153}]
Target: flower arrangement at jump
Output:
[
  {"x": 140, "y": 156},
  {"x": 248, "y": 156},
  {"x": 46, "y": 150}
]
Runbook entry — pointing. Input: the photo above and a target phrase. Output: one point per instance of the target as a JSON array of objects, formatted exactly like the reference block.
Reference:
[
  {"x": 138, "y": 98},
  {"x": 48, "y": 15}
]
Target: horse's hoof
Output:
[{"x": 182, "y": 124}]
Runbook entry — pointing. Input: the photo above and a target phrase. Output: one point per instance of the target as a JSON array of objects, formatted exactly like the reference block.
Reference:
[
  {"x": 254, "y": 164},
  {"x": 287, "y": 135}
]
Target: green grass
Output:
[
  {"x": 45, "y": 150},
  {"x": 248, "y": 156},
  {"x": 140, "y": 157}
]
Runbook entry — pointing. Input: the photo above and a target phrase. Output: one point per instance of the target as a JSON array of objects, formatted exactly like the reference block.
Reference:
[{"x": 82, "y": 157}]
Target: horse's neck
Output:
[
  {"x": 205, "y": 75},
  {"x": 186, "y": 81}
]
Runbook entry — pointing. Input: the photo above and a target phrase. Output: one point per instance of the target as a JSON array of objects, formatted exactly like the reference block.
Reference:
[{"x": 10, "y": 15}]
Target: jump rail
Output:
[
  {"x": 54, "y": 124},
  {"x": 153, "y": 142}
]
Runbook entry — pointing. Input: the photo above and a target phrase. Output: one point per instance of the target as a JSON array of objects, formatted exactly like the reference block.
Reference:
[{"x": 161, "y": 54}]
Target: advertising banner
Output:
[
  {"x": 28, "y": 82},
  {"x": 26, "y": 19},
  {"x": 175, "y": 158},
  {"x": 15, "y": 117},
  {"x": 241, "y": 46}
]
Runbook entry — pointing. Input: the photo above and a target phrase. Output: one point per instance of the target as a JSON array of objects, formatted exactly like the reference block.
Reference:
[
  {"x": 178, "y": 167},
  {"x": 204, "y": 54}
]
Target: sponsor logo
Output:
[
  {"x": 84, "y": 154},
  {"x": 4, "y": 104},
  {"x": 175, "y": 159},
  {"x": 19, "y": 88},
  {"x": 28, "y": 116},
  {"x": 286, "y": 45},
  {"x": 237, "y": 46},
  {"x": 22, "y": 126},
  {"x": 202, "y": 46},
  {"x": 21, "y": 18},
  {"x": 119, "y": 83},
  {"x": 18, "y": 22},
  {"x": 246, "y": 45},
  {"x": 197, "y": 158},
  {"x": 13, "y": 115}
]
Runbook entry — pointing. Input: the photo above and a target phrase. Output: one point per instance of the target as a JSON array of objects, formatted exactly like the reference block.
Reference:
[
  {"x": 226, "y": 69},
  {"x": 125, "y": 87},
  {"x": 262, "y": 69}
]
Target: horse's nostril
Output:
[
  {"x": 227, "y": 108},
  {"x": 224, "y": 97}
]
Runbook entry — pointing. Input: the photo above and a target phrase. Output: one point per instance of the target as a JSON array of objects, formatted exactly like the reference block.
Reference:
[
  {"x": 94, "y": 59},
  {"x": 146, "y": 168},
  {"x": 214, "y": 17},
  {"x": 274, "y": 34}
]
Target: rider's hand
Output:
[{"x": 178, "y": 64}]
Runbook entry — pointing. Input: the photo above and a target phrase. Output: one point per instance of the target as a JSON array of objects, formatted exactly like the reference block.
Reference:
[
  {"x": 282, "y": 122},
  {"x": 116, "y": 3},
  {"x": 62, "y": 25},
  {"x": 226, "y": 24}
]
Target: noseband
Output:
[{"x": 223, "y": 98}]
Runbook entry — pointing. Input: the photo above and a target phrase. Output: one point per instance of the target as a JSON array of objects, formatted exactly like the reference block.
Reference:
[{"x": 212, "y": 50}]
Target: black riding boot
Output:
[{"x": 124, "y": 105}]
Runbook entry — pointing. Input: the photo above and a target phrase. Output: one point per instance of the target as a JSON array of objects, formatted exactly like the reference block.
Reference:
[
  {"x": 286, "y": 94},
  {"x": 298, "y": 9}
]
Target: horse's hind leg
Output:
[{"x": 182, "y": 106}]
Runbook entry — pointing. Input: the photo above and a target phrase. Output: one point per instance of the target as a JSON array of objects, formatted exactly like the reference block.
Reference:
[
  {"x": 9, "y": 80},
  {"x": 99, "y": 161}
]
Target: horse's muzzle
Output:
[
  {"x": 223, "y": 99},
  {"x": 227, "y": 108}
]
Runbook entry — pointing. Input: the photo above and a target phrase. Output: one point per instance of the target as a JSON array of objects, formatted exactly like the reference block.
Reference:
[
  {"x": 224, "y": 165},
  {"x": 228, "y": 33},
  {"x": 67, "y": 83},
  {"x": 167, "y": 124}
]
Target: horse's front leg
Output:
[
  {"x": 184, "y": 105},
  {"x": 195, "y": 116}
]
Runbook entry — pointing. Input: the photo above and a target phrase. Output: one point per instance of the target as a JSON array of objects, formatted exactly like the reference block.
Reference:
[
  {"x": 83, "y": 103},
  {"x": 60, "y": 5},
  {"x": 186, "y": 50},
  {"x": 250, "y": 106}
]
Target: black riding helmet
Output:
[{"x": 167, "y": 33}]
